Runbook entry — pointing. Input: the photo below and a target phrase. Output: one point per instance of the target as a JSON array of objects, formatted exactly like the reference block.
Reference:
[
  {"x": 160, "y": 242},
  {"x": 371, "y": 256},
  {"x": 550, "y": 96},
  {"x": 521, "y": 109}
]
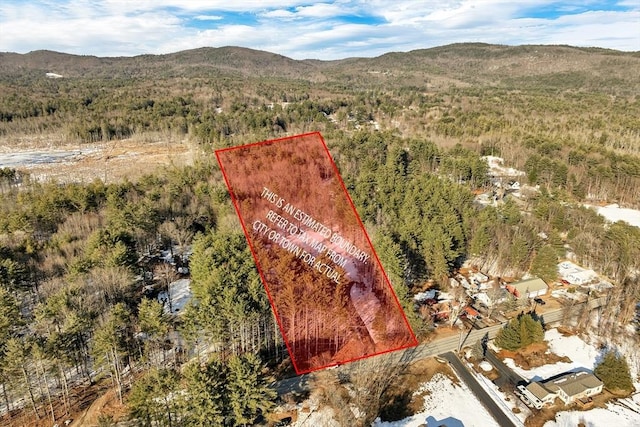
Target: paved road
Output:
[
  {"x": 301, "y": 384},
  {"x": 477, "y": 389},
  {"x": 554, "y": 316}
]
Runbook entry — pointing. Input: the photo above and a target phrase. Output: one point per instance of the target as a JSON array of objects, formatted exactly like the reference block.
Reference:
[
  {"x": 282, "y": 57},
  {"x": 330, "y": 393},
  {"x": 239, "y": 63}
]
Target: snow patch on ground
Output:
[
  {"x": 497, "y": 168},
  {"x": 615, "y": 213},
  {"x": 31, "y": 158},
  {"x": 614, "y": 415},
  {"x": 180, "y": 292},
  {"x": 446, "y": 404},
  {"x": 486, "y": 366},
  {"x": 582, "y": 355},
  {"x": 314, "y": 415}
]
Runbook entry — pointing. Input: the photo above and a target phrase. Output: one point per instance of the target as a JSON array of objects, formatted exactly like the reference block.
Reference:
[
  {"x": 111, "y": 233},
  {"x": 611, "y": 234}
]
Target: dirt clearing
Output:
[{"x": 108, "y": 161}]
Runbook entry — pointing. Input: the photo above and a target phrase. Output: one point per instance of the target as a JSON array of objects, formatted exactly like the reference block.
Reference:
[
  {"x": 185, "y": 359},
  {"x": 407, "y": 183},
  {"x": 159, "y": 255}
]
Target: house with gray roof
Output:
[
  {"x": 568, "y": 387},
  {"x": 574, "y": 386}
]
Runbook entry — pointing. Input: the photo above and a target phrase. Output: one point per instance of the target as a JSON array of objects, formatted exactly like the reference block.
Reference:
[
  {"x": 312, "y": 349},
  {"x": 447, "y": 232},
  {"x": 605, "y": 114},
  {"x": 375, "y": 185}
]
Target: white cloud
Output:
[
  {"x": 196, "y": 5},
  {"x": 322, "y": 10},
  {"x": 304, "y": 29},
  {"x": 614, "y": 30},
  {"x": 279, "y": 14},
  {"x": 207, "y": 17}
]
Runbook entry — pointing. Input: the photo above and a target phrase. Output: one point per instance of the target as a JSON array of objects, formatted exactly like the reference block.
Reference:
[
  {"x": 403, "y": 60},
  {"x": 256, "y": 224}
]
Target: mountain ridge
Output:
[{"x": 460, "y": 63}]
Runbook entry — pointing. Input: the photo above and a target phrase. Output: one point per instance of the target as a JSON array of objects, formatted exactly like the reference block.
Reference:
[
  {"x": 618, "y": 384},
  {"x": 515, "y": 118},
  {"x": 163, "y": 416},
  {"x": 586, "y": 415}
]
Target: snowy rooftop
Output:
[
  {"x": 575, "y": 274},
  {"x": 423, "y": 296}
]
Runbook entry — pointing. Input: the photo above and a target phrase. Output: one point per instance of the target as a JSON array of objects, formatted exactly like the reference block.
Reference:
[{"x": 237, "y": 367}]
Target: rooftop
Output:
[
  {"x": 538, "y": 390},
  {"x": 530, "y": 285},
  {"x": 573, "y": 383}
]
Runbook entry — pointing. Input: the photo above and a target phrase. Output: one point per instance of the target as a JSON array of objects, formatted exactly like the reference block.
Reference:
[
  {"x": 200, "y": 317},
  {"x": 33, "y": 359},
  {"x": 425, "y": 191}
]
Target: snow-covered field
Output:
[
  {"x": 446, "y": 404},
  {"x": 39, "y": 157},
  {"x": 615, "y": 213},
  {"x": 46, "y": 160},
  {"x": 582, "y": 355},
  {"x": 614, "y": 415}
]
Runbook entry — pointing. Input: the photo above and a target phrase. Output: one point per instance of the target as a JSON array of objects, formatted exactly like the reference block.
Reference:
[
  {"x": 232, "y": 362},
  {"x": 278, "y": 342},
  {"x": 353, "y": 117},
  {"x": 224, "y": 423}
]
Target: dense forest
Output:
[{"x": 81, "y": 263}]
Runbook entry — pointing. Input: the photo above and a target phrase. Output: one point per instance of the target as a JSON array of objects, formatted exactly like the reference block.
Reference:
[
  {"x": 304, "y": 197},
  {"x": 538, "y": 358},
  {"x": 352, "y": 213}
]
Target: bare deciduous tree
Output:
[{"x": 359, "y": 391}]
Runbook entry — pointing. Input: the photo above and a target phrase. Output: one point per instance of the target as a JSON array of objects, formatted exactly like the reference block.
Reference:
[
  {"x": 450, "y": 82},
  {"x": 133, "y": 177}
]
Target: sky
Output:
[{"x": 310, "y": 29}]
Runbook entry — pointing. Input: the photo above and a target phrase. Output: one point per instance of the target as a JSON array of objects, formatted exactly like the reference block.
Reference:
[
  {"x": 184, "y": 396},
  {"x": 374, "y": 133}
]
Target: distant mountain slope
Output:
[
  {"x": 235, "y": 60},
  {"x": 562, "y": 67},
  {"x": 553, "y": 67}
]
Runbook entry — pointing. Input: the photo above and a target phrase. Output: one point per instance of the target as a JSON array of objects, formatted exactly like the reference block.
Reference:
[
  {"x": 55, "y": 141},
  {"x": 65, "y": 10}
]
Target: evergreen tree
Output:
[
  {"x": 544, "y": 264},
  {"x": 206, "y": 401},
  {"x": 249, "y": 394},
  {"x": 153, "y": 401},
  {"x": 520, "y": 332},
  {"x": 533, "y": 330},
  {"x": 10, "y": 318},
  {"x": 509, "y": 337},
  {"x": 17, "y": 367},
  {"x": 112, "y": 344},
  {"x": 155, "y": 324},
  {"x": 13, "y": 275},
  {"x": 395, "y": 265},
  {"x": 614, "y": 372},
  {"x": 230, "y": 297}
]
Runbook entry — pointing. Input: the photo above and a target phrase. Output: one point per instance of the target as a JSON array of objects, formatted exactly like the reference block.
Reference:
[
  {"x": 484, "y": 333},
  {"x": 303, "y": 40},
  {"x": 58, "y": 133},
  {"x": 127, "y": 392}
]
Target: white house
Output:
[{"x": 575, "y": 274}]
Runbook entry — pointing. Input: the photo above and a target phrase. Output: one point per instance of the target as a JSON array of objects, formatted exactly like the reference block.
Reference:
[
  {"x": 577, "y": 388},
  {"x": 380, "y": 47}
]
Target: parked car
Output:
[{"x": 539, "y": 301}]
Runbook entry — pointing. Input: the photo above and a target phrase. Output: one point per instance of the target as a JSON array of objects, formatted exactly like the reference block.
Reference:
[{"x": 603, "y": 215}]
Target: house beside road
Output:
[{"x": 569, "y": 388}]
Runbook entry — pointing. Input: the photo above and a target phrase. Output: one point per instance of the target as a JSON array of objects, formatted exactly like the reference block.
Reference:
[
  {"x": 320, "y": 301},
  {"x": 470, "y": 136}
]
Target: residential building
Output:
[
  {"x": 569, "y": 388},
  {"x": 529, "y": 288},
  {"x": 575, "y": 385},
  {"x": 575, "y": 274},
  {"x": 537, "y": 395},
  {"x": 471, "y": 313}
]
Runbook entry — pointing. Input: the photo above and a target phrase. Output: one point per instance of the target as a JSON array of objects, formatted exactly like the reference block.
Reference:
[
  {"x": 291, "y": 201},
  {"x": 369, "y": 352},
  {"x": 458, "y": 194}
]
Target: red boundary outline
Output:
[{"x": 257, "y": 263}]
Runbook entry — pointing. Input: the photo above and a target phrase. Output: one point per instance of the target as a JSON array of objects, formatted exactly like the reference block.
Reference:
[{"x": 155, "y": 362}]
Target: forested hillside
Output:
[{"x": 81, "y": 263}]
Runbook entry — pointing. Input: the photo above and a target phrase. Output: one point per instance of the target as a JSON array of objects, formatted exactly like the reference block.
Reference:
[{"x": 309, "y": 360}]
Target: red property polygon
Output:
[{"x": 331, "y": 297}]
